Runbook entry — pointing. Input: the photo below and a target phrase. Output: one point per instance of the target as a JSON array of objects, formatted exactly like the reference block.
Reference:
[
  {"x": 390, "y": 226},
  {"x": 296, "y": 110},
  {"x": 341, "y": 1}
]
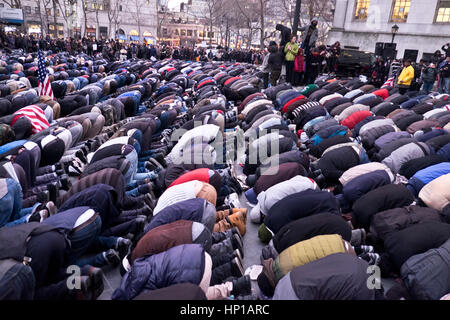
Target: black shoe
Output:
[
  {"x": 123, "y": 246},
  {"x": 320, "y": 180},
  {"x": 85, "y": 291},
  {"x": 145, "y": 211},
  {"x": 96, "y": 276},
  {"x": 53, "y": 189},
  {"x": 112, "y": 257},
  {"x": 140, "y": 224},
  {"x": 65, "y": 182},
  {"x": 80, "y": 155},
  {"x": 43, "y": 196},
  {"x": 237, "y": 244},
  {"x": 159, "y": 157},
  {"x": 149, "y": 201},
  {"x": 237, "y": 270},
  {"x": 60, "y": 172},
  {"x": 59, "y": 166},
  {"x": 242, "y": 286}
]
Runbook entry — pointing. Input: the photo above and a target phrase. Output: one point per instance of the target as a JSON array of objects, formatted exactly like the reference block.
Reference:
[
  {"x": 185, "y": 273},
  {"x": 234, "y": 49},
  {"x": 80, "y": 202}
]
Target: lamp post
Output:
[{"x": 394, "y": 31}]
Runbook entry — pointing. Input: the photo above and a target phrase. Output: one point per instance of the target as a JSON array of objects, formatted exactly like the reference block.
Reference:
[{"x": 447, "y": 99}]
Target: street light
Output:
[{"x": 394, "y": 31}]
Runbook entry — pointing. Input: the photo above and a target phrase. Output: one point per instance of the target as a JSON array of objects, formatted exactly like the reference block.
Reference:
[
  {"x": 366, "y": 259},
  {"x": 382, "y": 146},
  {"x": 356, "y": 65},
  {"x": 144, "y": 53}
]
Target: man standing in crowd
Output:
[
  {"x": 406, "y": 77},
  {"x": 444, "y": 73}
]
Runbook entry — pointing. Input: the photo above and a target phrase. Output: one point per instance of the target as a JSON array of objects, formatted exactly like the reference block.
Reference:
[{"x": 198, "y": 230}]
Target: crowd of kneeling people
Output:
[{"x": 101, "y": 176}]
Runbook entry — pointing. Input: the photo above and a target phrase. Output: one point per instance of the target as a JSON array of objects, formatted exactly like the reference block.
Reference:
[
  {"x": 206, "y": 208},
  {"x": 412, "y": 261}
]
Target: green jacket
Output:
[{"x": 290, "y": 54}]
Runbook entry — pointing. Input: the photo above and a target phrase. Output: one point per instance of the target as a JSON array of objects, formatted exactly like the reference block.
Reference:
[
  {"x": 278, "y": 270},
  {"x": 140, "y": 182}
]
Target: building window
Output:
[
  {"x": 57, "y": 12},
  {"x": 210, "y": 34},
  {"x": 189, "y": 33},
  {"x": 49, "y": 12},
  {"x": 183, "y": 32},
  {"x": 27, "y": 9},
  {"x": 36, "y": 10},
  {"x": 401, "y": 10},
  {"x": 2, "y": 5},
  {"x": 362, "y": 9},
  {"x": 120, "y": 8},
  {"x": 443, "y": 12}
]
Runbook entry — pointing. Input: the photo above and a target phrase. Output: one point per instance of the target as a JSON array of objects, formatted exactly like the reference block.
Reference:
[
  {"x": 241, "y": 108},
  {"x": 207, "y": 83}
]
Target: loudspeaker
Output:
[
  {"x": 411, "y": 54},
  {"x": 379, "y": 46},
  {"x": 388, "y": 45},
  {"x": 389, "y": 54}
]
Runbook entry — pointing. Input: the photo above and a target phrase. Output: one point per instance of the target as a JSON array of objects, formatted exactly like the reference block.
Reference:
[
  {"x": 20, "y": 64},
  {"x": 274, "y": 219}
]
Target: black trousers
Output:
[{"x": 289, "y": 71}]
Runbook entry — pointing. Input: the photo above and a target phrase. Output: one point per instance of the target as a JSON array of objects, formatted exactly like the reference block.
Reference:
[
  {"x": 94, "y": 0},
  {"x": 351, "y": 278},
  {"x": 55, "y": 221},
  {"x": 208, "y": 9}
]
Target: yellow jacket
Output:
[
  {"x": 307, "y": 251},
  {"x": 406, "y": 77}
]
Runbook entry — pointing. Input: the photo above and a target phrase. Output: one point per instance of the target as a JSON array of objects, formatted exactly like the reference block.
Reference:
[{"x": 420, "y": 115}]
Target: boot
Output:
[
  {"x": 222, "y": 214},
  {"x": 242, "y": 286},
  {"x": 238, "y": 220},
  {"x": 220, "y": 236},
  {"x": 222, "y": 226},
  {"x": 233, "y": 268},
  {"x": 96, "y": 277},
  {"x": 243, "y": 210}
]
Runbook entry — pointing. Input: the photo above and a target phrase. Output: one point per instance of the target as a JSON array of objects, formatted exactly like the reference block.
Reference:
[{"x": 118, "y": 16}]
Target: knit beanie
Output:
[
  {"x": 251, "y": 196},
  {"x": 264, "y": 234}
]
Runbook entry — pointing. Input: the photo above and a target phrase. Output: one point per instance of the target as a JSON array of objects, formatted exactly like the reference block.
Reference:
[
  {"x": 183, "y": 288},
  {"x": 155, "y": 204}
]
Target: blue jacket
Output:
[
  {"x": 180, "y": 264},
  {"x": 424, "y": 176},
  {"x": 192, "y": 210},
  {"x": 445, "y": 151},
  {"x": 66, "y": 220},
  {"x": 359, "y": 186},
  {"x": 431, "y": 134},
  {"x": 326, "y": 133}
]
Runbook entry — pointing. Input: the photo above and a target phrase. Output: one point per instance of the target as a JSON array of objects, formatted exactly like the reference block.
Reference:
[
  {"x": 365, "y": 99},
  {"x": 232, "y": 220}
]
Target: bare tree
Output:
[
  {"x": 136, "y": 13},
  {"x": 112, "y": 9},
  {"x": 65, "y": 7},
  {"x": 322, "y": 9},
  {"x": 13, "y": 3},
  {"x": 84, "y": 7},
  {"x": 211, "y": 15},
  {"x": 256, "y": 11}
]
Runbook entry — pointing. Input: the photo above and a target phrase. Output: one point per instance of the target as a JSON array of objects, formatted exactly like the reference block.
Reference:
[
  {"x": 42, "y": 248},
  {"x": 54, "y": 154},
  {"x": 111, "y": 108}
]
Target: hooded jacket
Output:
[
  {"x": 393, "y": 220},
  {"x": 407, "y": 152},
  {"x": 184, "y": 263},
  {"x": 306, "y": 251},
  {"x": 383, "y": 198},
  {"x": 311, "y": 226},
  {"x": 436, "y": 194},
  {"x": 415, "y": 239},
  {"x": 338, "y": 276},
  {"x": 167, "y": 236},
  {"x": 299, "y": 205},
  {"x": 198, "y": 210},
  {"x": 362, "y": 169},
  {"x": 363, "y": 184},
  {"x": 424, "y": 176},
  {"x": 266, "y": 199}
]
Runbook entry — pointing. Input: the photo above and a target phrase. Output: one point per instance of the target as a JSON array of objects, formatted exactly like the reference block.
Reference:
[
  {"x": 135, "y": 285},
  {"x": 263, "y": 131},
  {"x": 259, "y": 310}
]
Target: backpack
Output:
[{"x": 427, "y": 275}]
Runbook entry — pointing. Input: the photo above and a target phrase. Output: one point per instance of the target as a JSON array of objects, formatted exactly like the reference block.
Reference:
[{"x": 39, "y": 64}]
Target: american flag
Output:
[
  {"x": 45, "y": 88},
  {"x": 388, "y": 83}
]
